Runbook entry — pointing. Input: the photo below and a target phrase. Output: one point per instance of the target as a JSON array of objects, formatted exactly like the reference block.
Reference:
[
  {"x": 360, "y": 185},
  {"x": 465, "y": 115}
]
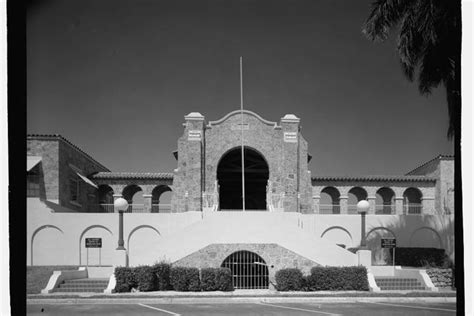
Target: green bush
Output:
[
  {"x": 37, "y": 277},
  {"x": 422, "y": 257},
  {"x": 337, "y": 279},
  {"x": 289, "y": 280},
  {"x": 162, "y": 272},
  {"x": 185, "y": 279},
  {"x": 216, "y": 279},
  {"x": 145, "y": 278},
  {"x": 125, "y": 279}
]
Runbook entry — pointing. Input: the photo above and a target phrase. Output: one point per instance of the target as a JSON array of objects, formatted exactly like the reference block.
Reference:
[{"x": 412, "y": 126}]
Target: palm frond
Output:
[{"x": 384, "y": 15}]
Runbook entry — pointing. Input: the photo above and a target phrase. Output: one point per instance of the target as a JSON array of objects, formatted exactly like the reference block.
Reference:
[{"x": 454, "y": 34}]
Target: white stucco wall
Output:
[{"x": 58, "y": 238}]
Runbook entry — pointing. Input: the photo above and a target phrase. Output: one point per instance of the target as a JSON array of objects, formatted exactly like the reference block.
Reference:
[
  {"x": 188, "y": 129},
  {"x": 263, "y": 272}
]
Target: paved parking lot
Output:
[{"x": 360, "y": 308}]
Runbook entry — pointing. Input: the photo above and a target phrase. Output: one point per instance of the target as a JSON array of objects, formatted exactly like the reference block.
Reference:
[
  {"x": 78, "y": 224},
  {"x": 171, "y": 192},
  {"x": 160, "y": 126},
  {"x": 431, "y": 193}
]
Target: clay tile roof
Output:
[
  {"x": 59, "y": 137},
  {"x": 375, "y": 178},
  {"x": 134, "y": 175}
]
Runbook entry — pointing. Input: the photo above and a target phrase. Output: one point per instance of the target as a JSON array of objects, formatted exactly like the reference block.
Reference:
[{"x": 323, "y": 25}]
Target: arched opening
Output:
[
  {"x": 385, "y": 201},
  {"x": 353, "y": 197},
  {"x": 329, "y": 201},
  {"x": 412, "y": 201},
  {"x": 229, "y": 177},
  {"x": 249, "y": 270},
  {"x": 380, "y": 256},
  {"x": 161, "y": 199},
  {"x": 134, "y": 196},
  {"x": 106, "y": 198}
]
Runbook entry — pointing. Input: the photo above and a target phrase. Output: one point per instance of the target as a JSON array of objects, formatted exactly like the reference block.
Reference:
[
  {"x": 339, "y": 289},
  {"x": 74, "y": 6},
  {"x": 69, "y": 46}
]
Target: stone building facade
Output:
[{"x": 291, "y": 218}]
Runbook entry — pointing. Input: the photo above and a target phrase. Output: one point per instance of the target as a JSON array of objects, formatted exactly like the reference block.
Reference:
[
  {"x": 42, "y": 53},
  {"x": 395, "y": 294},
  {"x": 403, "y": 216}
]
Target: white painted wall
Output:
[{"x": 150, "y": 237}]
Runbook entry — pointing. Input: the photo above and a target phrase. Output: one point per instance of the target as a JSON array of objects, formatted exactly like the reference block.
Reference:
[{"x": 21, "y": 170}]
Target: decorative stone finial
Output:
[
  {"x": 194, "y": 116},
  {"x": 290, "y": 118}
]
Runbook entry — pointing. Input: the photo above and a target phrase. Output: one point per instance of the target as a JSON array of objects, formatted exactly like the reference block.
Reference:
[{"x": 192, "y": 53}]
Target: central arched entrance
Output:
[
  {"x": 249, "y": 270},
  {"x": 229, "y": 177}
]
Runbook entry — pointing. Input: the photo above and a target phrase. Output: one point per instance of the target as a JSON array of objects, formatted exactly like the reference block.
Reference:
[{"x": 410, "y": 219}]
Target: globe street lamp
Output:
[
  {"x": 120, "y": 205},
  {"x": 362, "y": 208}
]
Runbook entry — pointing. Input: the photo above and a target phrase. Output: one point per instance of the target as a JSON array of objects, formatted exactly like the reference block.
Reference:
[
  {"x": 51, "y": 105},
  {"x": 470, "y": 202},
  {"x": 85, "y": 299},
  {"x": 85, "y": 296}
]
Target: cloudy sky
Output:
[{"x": 117, "y": 77}]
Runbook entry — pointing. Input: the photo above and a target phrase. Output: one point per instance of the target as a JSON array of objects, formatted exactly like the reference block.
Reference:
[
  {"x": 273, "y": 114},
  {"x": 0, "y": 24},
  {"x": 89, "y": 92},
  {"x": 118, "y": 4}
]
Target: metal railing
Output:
[
  {"x": 413, "y": 208},
  {"x": 352, "y": 209},
  {"x": 161, "y": 208},
  {"x": 137, "y": 208},
  {"x": 329, "y": 209},
  {"x": 385, "y": 209}
]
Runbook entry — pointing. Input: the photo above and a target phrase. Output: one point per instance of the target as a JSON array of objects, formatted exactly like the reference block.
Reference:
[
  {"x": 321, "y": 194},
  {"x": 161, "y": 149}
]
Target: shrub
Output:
[
  {"x": 185, "y": 279},
  {"x": 422, "y": 257},
  {"x": 162, "y": 272},
  {"x": 289, "y": 280},
  {"x": 125, "y": 279},
  {"x": 337, "y": 279},
  {"x": 216, "y": 279},
  {"x": 145, "y": 278}
]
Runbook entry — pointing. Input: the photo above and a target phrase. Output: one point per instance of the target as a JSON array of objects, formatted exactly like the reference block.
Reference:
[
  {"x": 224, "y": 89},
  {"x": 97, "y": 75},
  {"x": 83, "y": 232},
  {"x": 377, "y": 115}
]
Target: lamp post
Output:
[
  {"x": 362, "y": 208},
  {"x": 120, "y": 205}
]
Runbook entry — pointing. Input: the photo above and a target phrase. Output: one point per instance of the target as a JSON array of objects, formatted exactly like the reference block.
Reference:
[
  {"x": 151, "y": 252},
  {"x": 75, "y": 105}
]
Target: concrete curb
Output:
[{"x": 237, "y": 300}]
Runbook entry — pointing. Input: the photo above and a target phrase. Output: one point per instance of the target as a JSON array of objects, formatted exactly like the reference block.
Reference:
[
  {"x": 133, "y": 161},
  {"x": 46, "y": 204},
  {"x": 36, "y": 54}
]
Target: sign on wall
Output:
[
  {"x": 194, "y": 135},
  {"x": 289, "y": 137},
  {"x": 93, "y": 242},
  {"x": 238, "y": 127},
  {"x": 388, "y": 242}
]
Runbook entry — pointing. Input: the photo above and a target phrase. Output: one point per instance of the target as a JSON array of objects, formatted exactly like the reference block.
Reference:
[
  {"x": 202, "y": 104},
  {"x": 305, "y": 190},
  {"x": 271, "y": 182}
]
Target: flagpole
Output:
[{"x": 242, "y": 137}]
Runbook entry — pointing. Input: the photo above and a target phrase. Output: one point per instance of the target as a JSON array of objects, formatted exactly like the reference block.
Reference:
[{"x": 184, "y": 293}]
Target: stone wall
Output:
[{"x": 275, "y": 256}]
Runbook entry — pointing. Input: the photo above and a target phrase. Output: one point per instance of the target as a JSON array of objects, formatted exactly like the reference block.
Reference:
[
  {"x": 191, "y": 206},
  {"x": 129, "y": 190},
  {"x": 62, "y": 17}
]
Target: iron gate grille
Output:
[{"x": 249, "y": 270}]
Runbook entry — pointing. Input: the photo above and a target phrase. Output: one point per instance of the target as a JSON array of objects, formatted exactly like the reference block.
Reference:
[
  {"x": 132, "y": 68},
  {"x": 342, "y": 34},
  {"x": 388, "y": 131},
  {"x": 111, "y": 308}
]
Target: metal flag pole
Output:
[{"x": 242, "y": 138}]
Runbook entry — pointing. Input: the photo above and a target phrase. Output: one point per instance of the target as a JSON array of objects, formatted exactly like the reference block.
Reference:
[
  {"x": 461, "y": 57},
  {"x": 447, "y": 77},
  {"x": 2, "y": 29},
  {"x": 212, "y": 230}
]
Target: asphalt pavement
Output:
[{"x": 385, "y": 308}]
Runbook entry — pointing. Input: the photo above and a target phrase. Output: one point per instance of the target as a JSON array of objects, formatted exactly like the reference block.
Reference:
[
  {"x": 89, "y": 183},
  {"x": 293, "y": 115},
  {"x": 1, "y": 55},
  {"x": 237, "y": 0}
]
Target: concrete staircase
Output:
[
  {"x": 392, "y": 283},
  {"x": 95, "y": 285}
]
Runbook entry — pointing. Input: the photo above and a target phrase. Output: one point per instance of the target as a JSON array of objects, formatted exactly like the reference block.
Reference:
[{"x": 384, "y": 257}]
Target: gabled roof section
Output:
[
  {"x": 439, "y": 157},
  {"x": 237, "y": 112},
  {"x": 374, "y": 178},
  {"x": 61, "y": 138},
  {"x": 133, "y": 175}
]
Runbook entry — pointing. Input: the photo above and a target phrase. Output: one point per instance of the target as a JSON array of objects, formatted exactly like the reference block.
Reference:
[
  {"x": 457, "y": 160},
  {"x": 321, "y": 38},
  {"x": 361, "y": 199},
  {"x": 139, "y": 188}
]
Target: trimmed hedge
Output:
[
  {"x": 337, "y": 279},
  {"x": 289, "y": 280},
  {"x": 145, "y": 278},
  {"x": 37, "y": 277},
  {"x": 125, "y": 279},
  {"x": 162, "y": 272},
  {"x": 216, "y": 279},
  {"x": 422, "y": 257},
  {"x": 185, "y": 279}
]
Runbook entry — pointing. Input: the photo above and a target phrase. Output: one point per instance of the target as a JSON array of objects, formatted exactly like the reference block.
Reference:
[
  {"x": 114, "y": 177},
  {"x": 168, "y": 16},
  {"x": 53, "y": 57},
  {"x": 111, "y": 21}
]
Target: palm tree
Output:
[{"x": 429, "y": 45}]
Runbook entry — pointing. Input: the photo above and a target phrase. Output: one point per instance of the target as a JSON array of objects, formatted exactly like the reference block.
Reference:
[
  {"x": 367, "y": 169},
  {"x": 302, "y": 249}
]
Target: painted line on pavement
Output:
[
  {"x": 159, "y": 309},
  {"x": 298, "y": 309},
  {"x": 418, "y": 307}
]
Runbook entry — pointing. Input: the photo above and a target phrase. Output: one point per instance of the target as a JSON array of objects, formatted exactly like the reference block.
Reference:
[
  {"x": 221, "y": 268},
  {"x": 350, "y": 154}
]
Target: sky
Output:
[{"x": 116, "y": 78}]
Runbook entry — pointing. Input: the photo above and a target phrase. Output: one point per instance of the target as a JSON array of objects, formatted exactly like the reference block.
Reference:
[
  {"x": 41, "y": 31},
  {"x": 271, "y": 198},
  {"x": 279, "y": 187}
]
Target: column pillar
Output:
[
  {"x": 343, "y": 204},
  {"x": 399, "y": 205},
  {"x": 147, "y": 203},
  {"x": 290, "y": 171},
  {"x": 316, "y": 202},
  {"x": 371, "y": 200}
]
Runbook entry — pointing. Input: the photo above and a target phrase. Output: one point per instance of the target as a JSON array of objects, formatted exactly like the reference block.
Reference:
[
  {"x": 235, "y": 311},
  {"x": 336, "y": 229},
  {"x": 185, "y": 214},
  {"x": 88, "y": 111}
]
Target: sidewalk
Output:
[{"x": 240, "y": 296}]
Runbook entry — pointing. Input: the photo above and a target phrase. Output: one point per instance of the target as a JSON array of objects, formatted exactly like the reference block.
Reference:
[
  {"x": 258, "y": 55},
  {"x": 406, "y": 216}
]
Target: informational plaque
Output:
[
  {"x": 238, "y": 127},
  {"x": 194, "y": 135},
  {"x": 289, "y": 137},
  {"x": 389, "y": 242},
  {"x": 93, "y": 242}
]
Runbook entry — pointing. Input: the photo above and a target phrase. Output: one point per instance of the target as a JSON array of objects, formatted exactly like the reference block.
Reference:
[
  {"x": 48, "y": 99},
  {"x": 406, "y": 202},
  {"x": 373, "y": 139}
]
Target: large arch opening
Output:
[
  {"x": 249, "y": 270},
  {"x": 229, "y": 177}
]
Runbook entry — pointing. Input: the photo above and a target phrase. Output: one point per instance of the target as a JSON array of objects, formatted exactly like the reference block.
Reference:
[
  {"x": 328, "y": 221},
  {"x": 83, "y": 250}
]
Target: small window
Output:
[
  {"x": 32, "y": 184},
  {"x": 74, "y": 187}
]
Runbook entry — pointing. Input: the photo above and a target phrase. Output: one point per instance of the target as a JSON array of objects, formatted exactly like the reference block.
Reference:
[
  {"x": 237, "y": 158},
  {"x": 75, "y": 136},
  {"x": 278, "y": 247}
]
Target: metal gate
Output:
[{"x": 249, "y": 270}]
